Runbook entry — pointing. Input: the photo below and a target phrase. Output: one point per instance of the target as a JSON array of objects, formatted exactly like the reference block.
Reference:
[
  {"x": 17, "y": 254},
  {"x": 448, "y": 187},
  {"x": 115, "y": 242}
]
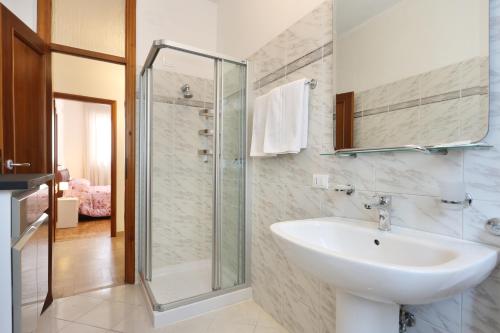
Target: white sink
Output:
[{"x": 375, "y": 271}]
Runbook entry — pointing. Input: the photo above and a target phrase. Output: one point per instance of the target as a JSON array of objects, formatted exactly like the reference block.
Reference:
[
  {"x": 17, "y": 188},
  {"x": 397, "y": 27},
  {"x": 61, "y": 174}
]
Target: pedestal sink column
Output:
[{"x": 360, "y": 315}]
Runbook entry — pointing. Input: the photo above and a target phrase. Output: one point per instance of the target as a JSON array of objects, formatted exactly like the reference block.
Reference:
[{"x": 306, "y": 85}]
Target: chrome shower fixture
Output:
[{"x": 186, "y": 90}]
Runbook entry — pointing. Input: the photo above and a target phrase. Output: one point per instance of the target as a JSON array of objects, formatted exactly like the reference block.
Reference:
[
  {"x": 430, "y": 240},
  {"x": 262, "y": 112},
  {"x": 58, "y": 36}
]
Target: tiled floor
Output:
[
  {"x": 88, "y": 263},
  {"x": 123, "y": 309}
]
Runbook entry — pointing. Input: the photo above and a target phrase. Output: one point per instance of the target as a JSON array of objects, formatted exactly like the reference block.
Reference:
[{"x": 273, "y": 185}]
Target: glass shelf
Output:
[{"x": 438, "y": 149}]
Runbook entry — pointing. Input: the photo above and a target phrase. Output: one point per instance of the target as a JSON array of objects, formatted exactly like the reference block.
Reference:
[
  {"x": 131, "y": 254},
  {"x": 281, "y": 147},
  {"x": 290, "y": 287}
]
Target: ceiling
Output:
[{"x": 351, "y": 13}]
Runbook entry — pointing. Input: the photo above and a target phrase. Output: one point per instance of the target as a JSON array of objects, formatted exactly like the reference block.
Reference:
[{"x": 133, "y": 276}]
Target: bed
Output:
[{"x": 95, "y": 201}]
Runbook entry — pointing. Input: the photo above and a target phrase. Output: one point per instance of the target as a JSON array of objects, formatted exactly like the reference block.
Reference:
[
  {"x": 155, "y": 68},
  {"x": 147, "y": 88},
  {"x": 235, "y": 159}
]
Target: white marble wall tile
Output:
[
  {"x": 271, "y": 57},
  {"x": 419, "y": 174},
  {"x": 427, "y": 214},
  {"x": 482, "y": 174},
  {"x": 444, "y": 314},
  {"x": 474, "y": 117},
  {"x": 302, "y": 202},
  {"x": 440, "y": 122},
  {"x": 376, "y": 97},
  {"x": 481, "y": 306},
  {"x": 402, "y": 124},
  {"x": 341, "y": 205},
  {"x": 471, "y": 72},
  {"x": 440, "y": 81},
  {"x": 359, "y": 171},
  {"x": 311, "y": 32},
  {"x": 424, "y": 327},
  {"x": 404, "y": 90},
  {"x": 377, "y": 131},
  {"x": 475, "y": 218},
  {"x": 298, "y": 168}
]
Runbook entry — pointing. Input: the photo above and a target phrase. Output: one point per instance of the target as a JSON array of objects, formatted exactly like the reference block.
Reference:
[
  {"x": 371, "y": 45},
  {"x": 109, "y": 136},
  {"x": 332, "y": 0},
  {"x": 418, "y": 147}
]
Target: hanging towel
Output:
[
  {"x": 261, "y": 108},
  {"x": 287, "y": 122},
  {"x": 273, "y": 126}
]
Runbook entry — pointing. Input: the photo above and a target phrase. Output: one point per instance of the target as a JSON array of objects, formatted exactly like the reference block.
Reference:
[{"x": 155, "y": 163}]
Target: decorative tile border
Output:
[
  {"x": 474, "y": 91},
  {"x": 295, "y": 65},
  {"x": 183, "y": 102}
]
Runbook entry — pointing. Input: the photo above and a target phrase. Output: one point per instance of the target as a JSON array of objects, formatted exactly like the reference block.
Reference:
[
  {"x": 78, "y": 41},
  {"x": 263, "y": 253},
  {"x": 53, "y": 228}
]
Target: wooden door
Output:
[
  {"x": 344, "y": 130},
  {"x": 24, "y": 120}
]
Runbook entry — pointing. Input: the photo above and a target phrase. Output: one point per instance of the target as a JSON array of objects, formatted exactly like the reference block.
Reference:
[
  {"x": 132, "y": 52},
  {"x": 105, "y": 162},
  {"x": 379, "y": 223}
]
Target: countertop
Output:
[{"x": 24, "y": 181}]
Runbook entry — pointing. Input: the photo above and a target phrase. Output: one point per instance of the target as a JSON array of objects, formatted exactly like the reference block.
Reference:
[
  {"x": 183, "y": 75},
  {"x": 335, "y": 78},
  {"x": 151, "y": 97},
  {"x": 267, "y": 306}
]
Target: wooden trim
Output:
[
  {"x": 130, "y": 96},
  {"x": 74, "y": 51},
  {"x": 344, "y": 133},
  {"x": 45, "y": 31},
  {"x": 114, "y": 179},
  {"x": 44, "y": 20}
]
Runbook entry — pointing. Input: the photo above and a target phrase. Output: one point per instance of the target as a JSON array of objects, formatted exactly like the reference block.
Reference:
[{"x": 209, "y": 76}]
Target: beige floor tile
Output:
[
  {"x": 122, "y": 309},
  {"x": 225, "y": 327},
  {"x": 130, "y": 294},
  {"x": 84, "y": 264},
  {"x": 48, "y": 324},
  {"x": 261, "y": 329},
  {"x": 79, "y": 328},
  {"x": 108, "y": 314},
  {"x": 72, "y": 308},
  {"x": 138, "y": 321}
]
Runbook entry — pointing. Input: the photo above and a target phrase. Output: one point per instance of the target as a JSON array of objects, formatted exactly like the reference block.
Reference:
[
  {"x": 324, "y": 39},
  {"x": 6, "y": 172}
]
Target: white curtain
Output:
[{"x": 97, "y": 153}]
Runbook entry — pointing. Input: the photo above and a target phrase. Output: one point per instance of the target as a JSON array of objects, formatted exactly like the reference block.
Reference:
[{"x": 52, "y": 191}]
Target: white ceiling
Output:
[{"x": 351, "y": 13}]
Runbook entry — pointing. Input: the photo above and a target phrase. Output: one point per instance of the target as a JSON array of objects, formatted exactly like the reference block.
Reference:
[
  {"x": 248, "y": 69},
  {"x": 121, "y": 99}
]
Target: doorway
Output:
[{"x": 88, "y": 251}]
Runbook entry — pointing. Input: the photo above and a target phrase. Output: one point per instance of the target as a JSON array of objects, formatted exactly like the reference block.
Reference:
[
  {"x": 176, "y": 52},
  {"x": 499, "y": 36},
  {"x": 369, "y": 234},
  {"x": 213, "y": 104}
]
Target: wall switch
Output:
[{"x": 320, "y": 181}]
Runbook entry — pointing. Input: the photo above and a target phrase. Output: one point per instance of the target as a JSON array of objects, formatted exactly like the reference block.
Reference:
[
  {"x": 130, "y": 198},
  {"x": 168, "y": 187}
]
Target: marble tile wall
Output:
[
  {"x": 445, "y": 105},
  {"x": 281, "y": 191},
  {"x": 181, "y": 181}
]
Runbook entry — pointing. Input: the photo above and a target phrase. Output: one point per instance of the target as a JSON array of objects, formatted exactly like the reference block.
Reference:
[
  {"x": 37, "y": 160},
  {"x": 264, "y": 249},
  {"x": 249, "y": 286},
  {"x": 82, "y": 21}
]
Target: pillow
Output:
[
  {"x": 80, "y": 184},
  {"x": 63, "y": 175}
]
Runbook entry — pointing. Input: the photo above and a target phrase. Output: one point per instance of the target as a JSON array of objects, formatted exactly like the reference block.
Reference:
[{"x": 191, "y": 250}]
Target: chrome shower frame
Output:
[{"x": 144, "y": 175}]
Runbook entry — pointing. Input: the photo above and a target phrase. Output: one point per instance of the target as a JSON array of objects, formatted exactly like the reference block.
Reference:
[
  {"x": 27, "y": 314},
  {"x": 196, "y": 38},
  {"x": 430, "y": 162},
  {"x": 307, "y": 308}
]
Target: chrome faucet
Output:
[{"x": 384, "y": 205}]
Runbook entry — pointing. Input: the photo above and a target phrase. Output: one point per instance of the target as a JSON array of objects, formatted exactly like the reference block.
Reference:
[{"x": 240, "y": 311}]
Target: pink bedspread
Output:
[{"x": 95, "y": 201}]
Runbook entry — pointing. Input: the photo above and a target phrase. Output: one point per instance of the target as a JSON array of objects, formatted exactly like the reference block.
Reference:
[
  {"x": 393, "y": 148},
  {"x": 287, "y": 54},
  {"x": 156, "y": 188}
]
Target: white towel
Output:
[
  {"x": 261, "y": 108},
  {"x": 287, "y": 122},
  {"x": 272, "y": 143}
]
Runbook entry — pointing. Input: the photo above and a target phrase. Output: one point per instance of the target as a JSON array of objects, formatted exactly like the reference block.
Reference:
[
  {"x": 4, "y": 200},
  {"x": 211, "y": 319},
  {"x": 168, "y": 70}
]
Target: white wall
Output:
[
  {"x": 103, "y": 80},
  {"x": 245, "y": 26},
  {"x": 24, "y": 9},
  {"x": 393, "y": 45},
  {"x": 191, "y": 22},
  {"x": 70, "y": 136}
]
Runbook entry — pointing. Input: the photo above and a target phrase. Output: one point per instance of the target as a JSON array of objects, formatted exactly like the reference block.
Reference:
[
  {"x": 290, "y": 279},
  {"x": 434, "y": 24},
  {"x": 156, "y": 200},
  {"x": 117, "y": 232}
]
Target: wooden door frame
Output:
[
  {"x": 44, "y": 27},
  {"x": 114, "y": 178}
]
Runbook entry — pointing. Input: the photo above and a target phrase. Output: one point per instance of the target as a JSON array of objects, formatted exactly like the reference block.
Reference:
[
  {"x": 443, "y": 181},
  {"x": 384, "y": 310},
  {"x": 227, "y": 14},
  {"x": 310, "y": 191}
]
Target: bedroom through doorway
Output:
[{"x": 88, "y": 250}]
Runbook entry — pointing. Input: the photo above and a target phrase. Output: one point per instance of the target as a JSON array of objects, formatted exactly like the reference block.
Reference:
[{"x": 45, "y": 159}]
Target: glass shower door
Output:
[
  {"x": 182, "y": 190},
  {"x": 192, "y": 175},
  {"x": 232, "y": 173}
]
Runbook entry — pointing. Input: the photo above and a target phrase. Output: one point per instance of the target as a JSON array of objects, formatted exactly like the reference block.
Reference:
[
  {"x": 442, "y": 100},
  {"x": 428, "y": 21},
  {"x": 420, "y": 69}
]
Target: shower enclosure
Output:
[{"x": 193, "y": 234}]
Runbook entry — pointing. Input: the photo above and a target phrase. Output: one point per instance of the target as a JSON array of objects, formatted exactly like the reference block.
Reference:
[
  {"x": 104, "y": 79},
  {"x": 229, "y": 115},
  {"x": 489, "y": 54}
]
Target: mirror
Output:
[{"x": 411, "y": 72}]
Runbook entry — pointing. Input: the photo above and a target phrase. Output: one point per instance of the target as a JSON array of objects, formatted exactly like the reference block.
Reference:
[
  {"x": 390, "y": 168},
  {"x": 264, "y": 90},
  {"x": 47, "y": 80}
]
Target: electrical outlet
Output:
[{"x": 320, "y": 181}]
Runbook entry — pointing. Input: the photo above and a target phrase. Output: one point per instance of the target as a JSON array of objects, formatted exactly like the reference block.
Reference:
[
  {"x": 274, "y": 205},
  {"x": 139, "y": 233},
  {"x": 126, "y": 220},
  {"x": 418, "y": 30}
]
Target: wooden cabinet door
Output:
[
  {"x": 344, "y": 130},
  {"x": 24, "y": 118}
]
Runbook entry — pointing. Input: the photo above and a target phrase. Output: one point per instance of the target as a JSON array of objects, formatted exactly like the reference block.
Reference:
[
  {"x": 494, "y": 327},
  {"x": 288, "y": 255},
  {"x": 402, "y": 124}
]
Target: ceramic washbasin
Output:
[{"x": 378, "y": 270}]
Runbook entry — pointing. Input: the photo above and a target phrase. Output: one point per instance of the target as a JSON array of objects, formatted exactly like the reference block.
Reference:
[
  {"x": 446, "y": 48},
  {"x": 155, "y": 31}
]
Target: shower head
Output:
[{"x": 186, "y": 90}]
